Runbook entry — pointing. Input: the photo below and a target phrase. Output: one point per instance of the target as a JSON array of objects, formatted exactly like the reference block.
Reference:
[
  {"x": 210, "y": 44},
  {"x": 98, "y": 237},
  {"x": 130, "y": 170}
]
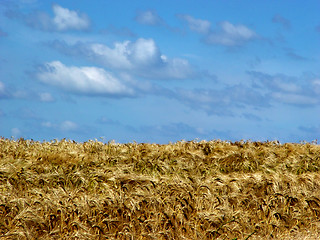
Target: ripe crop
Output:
[{"x": 183, "y": 190}]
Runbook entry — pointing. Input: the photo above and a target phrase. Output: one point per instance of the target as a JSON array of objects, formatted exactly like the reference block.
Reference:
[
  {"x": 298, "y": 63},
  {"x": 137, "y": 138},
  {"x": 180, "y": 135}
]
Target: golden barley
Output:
[{"x": 183, "y": 190}]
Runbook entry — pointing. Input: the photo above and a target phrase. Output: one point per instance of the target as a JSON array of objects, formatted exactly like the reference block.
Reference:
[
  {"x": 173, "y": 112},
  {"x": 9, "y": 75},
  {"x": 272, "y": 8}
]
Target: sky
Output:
[{"x": 160, "y": 71}]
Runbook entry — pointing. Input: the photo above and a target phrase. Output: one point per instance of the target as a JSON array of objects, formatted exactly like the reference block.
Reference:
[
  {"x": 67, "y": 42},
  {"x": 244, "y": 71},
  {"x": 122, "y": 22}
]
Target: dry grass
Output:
[{"x": 184, "y": 190}]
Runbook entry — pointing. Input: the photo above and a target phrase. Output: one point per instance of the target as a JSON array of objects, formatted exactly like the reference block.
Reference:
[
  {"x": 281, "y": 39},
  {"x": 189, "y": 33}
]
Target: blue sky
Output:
[{"x": 160, "y": 71}]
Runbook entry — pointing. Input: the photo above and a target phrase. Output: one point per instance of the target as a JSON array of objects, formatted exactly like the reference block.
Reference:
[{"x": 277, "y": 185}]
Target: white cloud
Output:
[
  {"x": 286, "y": 86},
  {"x": 229, "y": 34},
  {"x": 22, "y": 94},
  {"x": 178, "y": 68},
  {"x": 82, "y": 80},
  {"x": 238, "y": 31},
  {"x": 68, "y": 126},
  {"x": 65, "y": 126},
  {"x": 316, "y": 85},
  {"x": 63, "y": 19},
  {"x": 196, "y": 25},
  {"x": 296, "y": 99},
  {"x": 142, "y": 57},
  {"x": 46, "y": 97},
  {"x": 47, "y": 124},
  {"x": 148, "y": 18},
  {"x": 144, "y": 53},
  {"x": 2, "y": 89},
  {"x": 66, "y": 19},
  {"x": 16, "y": 132},
  {"x": 128, "y": 55},
  {"x": 116, "y": 57}
]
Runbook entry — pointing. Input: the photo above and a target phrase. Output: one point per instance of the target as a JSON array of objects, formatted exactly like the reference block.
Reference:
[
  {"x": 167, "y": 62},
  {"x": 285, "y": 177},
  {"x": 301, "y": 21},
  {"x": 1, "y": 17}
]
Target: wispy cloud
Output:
[
  {"x": 152, "y": 18},
  {"x": 225, "y": 33},
  {"x": 64, "y": 19},
  {"x": 24, "y": 93},
  {"x": 196, "y": 25},
  {"x": 252, "y": 117},
  {"x": 64, "y": 126},
  {"x": 265, "y": 91},
  {"x": 82, "y": 80},
  {"x": 68, "y": 126},
  {"x": 311, "y": 129},
  {"x": 122, "y": 31},
  {"x": 46, "y": 97},
  {"x": 177, "y": 131},
  {"x": 293, "y": 55},
  {"x": 9, "y": 92},
  {"x": 315, "y": 85},
  {"x": 278, "y": 82},
  {"x": 16, "y": 132},
  {"x": 3, "y": 91},
  {"x": 228, "y": 34},
  {"x": 288, "y": 90},
  {"x": 285, "y": 23},
  {"x": 311, "y": 133},
  {"x": 222, "y": 102},
  {"x": 172, "y": 130},
  {"x": 26, "y": 113},
  {"x": 253, "y": 63},
  {"x": 107, "y": 121},
  {"x": 3, "y": 34},
  {"x": 298, "y": 99},
  {"x": 149, "y": 17}
]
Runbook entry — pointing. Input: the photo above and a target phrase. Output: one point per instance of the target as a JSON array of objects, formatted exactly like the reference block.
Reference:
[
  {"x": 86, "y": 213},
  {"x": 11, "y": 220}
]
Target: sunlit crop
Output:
[{"x": 183, "y": 190}]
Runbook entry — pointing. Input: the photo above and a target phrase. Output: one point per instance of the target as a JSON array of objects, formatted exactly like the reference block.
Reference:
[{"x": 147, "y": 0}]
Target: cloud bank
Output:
[
  {"x": 141, "y": 58},
  {"x": 222, "y": 102},
  {"x": 301, "y": 92}
]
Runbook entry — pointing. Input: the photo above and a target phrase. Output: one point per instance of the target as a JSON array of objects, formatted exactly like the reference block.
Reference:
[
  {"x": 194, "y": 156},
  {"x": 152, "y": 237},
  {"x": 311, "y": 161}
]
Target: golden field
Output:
[{"x": 183, "y": 190}]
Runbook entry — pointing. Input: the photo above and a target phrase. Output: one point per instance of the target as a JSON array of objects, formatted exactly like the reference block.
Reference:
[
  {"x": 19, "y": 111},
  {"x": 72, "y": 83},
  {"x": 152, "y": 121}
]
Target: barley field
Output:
[{"x": 183, "y": 190}]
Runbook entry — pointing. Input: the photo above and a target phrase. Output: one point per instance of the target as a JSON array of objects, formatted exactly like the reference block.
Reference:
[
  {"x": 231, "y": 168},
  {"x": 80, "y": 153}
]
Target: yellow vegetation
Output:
[{"x": 183, "y": 190}]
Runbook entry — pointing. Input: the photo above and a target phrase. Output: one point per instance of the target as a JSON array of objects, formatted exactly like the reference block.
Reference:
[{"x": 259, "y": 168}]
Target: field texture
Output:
[{"x": 184, "y": 190}]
